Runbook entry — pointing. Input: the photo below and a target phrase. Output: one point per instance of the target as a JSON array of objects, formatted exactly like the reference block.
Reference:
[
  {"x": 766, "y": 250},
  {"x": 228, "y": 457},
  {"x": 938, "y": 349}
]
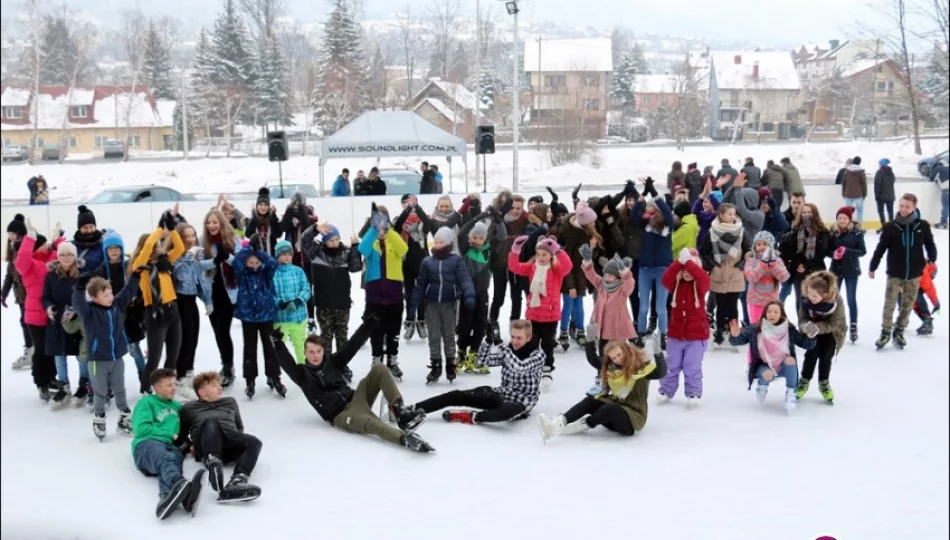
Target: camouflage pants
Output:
[
  {"x": 904, "y": 291},
  {"x": 334, "y": 323}
]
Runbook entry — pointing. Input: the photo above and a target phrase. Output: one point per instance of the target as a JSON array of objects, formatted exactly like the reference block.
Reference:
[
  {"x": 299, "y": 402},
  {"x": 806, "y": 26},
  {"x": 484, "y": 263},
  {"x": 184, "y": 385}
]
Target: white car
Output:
[{"x": 15, "y": 153}]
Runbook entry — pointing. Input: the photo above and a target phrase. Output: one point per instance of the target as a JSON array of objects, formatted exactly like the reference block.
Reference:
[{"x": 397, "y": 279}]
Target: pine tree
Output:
[
  {"x": 486, "y": 83},
  {"x": 271, "y": 87},
  {"x": 156, "y": 66},
  {"x": 622, "y": 86},
  {"x": 935, "y": 82},
  {"x": 234, "y": 62},
  {"x": 202, "y": 93},
  {"x": 342, "y": 88},
  {"x": 61, "y": 55}
]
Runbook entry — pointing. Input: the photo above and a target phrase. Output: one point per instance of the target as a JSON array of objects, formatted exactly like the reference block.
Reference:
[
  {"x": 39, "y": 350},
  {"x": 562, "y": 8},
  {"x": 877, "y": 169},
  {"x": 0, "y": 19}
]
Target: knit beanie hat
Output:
[
  {"x": 332, "y": 232},
  {"x": 613, "y": 266},
  {"x": 856, "y": 160},
  {"x": 584, "y": 214},
  {"x": 682, "y": 209},
  {"x": 282, "y": 247},
  {"x": 111, "y": 238},
  {"x": 884, "y": 162},
  {"x": 446, "y": 235},
  {"x": 764, "y": 194},
  {"x": 764, "y": 236},
  {"x": 18, "y": 225},
  {"x": 707, "y": 170},
  {"x": 549, "y": 244},
  {"x": 559, "y": 209},
  {"x": 846, "y": 210},
  {"x": 716, "y": 197},
  {"x": 263, "y": 196},
  {"x": 536, "y": 199},
  {"x": 479, "y": 229},
  {"x": 66, "y": 248},
  {"x": 85, "y": 217},
  {"x": 40, "y": 242}
]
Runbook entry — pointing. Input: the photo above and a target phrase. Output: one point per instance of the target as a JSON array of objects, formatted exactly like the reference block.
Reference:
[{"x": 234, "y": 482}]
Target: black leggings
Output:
[
  {"x": 821, "y": 354},
  {"x": 27, "y": 340},
  {"x": 384, "y": 339},
  {"x": 221, "y": 318},
  {"x": 409, "y": 285},
  {"x": 610, "y": 415},
  {"x": 502, "y": 280},
  {"x": 241, "y": 448},
  {"x": 472, "y": 324},
  {"x": 251, "y": 331},
  {"x": 44, "y": 366},
  {"x": 493, "y": 405},
  {"x": 162, "y": 333},
  {"x": 544, "y": 333},
  {"x": 190, "y": 326},
  {"x": 727, "y": 309}
]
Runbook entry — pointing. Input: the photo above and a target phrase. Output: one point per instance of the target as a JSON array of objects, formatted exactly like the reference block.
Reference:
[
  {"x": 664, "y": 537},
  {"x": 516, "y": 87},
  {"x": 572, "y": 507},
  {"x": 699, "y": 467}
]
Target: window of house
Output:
[
  {"x": 881, "y": 86},
  {"x": 734, "y": 98},
  {"x": 555, "y": 81},
  {"x": 728, "y": 115},
  {"x": 38, "y": 142},
  {"x": 97, "y": 141},
  {"x": 134, "y": 141},
  {"x": 592, "y": 81},
  {"x": 767, "y": 127},
  {"x": 644, "y": 101},
  {"x": 13, "y": 112},
  {"x": 79, "y": 111},
  {"x": 591, "y": 104},
  {"x": 69, "y": 142}
]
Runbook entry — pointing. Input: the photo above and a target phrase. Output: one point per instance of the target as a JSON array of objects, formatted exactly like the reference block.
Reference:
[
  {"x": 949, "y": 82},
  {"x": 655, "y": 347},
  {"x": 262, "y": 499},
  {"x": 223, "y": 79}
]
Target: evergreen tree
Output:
[
  {"x": 624, "y": 78},
  {"x": 234, "y": 62},
  {"x": 156, "y": 66},
  {"x": 486, "y": 83},
  {"x": 202, "y": 92},
  {"x": 458, "y": 72},
  {"x": 640, "y": 64},
  {"x": 342, "y": 88},
  {"x": 935, "y": 82},
  {"x": 271, "y": 87},
  {"x": 61, "y": 55}
]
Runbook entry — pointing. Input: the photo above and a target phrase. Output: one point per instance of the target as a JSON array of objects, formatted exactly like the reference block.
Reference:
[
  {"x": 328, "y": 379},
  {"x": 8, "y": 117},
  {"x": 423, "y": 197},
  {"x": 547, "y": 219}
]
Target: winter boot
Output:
[
  {"x": 459, "y": 417},
  {"x": 239, "y": 490},
  {"x": 802, "y": 388},
  {"x": 99, "y": 427},
  {"x": 215, "y": 471},
  {"x": 899, "y": 340},
  {"x": 547, "y": 377},
  {"x": 83, "y": 391},
  {"x": 25, "y": 361},
  {"x": 393, "y": 364},
  {"x": 854, "y": 332},
  {"x": 450, "y": 369},
  {"x": 409, "y": 330},
  {"x": 408, "y": 418},
  {"x": 883, "y": 340},
  {"x": 926, "y": 329},
  {"x": 61, "y": 396},
  {"x": 435, "y": 371},
  {"x": 422, "y": 330},
  {"x": 274, "y": 384},
  {"x": 791, "y": 401},
  {"x": 564, "y": 341},
  {"x": 415, "y": 443},
  {"x": 596, "y": 389},
  {"x": 826, "y": 392},
  {"x": 191, "y": 500},
  {"x": 124, "y": 426},
  {"x": 580, "y": 338},
  {"x": 169, "y": 501},
  {"x": 663, "y": 342},
  {"x": 711, "y": 318},
  {"x": 250, "y": 389},
  {"x": 43, "y": 392},
  {"x": 651, "y": 327},
  {"x": 762, "y": 392},
  {"x": 719, "y": 337},
  {"x": 227, "y": 376}
]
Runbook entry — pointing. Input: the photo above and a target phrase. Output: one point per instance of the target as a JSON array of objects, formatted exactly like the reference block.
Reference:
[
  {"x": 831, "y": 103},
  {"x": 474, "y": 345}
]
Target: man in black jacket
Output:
[
  {"x": 904, "y": 240},
  {"x": 322, "y": 382},
  {"x": 372, "y": 185},
  {"x": 214, "y": 427},
  {"x": 427, "y": 184}
]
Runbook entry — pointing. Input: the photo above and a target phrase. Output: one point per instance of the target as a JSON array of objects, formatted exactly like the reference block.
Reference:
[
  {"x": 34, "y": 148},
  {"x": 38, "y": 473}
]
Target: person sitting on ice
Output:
[
  {"x": 156, "y": 426},
  {"x": 214, "y": 426},
  {"x": 626, "y": 371},
  {"x": 521, "y": 361},
  {"x": 323, "y": 384}
]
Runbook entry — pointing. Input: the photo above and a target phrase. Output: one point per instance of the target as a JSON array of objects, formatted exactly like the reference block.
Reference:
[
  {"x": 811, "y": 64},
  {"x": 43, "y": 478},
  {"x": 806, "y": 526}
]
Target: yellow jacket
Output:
[{"x": 165, "y": 283}]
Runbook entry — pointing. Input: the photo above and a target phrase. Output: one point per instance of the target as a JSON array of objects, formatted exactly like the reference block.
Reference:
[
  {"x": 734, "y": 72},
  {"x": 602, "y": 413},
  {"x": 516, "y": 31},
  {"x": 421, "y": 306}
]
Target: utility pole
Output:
[
  {"x": 537, "y": 103},
  {"x": 478, "y": 85},
  {"x": 515, "y": 102}
]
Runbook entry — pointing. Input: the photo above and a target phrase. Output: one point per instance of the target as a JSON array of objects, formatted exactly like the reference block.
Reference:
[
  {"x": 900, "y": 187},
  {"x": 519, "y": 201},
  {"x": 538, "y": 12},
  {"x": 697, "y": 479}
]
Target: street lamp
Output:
[{"x": 512, "y": 8}]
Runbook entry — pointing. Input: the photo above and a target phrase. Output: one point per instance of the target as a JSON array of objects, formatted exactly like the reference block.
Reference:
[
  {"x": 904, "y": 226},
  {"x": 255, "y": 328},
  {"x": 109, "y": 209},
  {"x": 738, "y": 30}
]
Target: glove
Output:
[
  {"x": 221, "y": 253},
  {"x": 648, "y": 187},
  {"x": 255, "y": 242},
  {"x": 469, "y": 304},
  {"x": 839, "y": 253},
  {"x": 592, "y": 330},
  {"x": 299, "y": 302},
  {"x": 83, "y": 280},
  {"x": 166, "y": 221},
  {"x": 283, "y": 306},
  {"x": 496, "y": 215},
  {"x": 163, "y": 264},
  {"x": 551, "y": 191},
  {"x": 475, "y": 206},
  {"x": 209, "y": 309},
  {"x": 575, "y": 192},
  {"x": 586, "y": 252},
  {"x": 30, "y": 229},
  {"x": 506, "y": 207},
  {"x": 138, "y": 271},
  {"x": 768, "y": 255},
  {"x": 518, "y": 244}
]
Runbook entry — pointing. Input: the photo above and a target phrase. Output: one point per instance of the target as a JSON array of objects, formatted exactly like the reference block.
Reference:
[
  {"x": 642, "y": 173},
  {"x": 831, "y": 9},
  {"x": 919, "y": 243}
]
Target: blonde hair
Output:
[
  {"x": 139, "y": 246},
  {"x": 226, "y": 232},
  {"x": 634, "y": 359},
  {"x": 524, "y": 325}
]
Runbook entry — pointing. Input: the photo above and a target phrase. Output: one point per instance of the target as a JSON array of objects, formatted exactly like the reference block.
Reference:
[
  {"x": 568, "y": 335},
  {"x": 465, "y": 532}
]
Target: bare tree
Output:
[
  {"x": 131, "y": 40},
  {"x": 409, "y": 35},
  {"x": 34, "y": 61},
  {"x": 445, "y": 26},
  {"x": 263, "y": 15},
  {"x": 84, "y": 39},
  {"x": 688, "y": 112},
  {"x": 569, "y": 138}
]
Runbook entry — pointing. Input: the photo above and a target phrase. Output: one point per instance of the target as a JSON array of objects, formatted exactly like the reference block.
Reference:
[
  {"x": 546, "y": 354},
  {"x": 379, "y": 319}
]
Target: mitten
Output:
[
  {"x": 575, "y": 192},
  {"x": 649, "y": 188},
  {"x": 518, "y": 244},
  {"x": 221, "y": 253},
  {"x": 551, "y": 191},
  {"x": 163, "y": 264},
  {"x": 627, "y": 262},
  {"x": 768, "y": 255},
  {"x": 299, "y": 302},
  {"x": 592, "y": 330},
  {"x": 496, "y": 215},
  {"x": 283, "y": 306},
  {"x": 684, "y": 256},
  {"x": 586, "y": 252},
  {"x": 256, "y": 242},
  {"x": 506, "y": 206}
]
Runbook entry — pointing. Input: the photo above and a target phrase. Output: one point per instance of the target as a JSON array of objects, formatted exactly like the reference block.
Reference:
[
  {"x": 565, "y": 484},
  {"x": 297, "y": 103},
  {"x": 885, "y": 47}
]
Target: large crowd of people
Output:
[{"x": 709, "y": 264}]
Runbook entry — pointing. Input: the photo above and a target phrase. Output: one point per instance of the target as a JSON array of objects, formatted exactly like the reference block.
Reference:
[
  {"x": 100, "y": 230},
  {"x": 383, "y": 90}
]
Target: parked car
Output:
[
  {"x": 113, "y": 149},
  {"x": 401, "y": 181},
  {"x": 53, "y": 152},
  {"x": 134, "y": 194},
  {"x": 15, "y": 153},
  {"x": 309, "y": 190},
  {"x": 926, "y": 164}
]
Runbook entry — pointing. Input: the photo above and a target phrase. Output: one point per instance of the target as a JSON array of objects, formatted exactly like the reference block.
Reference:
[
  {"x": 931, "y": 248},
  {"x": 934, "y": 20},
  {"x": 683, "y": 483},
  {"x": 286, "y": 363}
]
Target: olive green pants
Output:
[
  {"x": 906, "y": 290},
  {"x": 358, "y": 416}
]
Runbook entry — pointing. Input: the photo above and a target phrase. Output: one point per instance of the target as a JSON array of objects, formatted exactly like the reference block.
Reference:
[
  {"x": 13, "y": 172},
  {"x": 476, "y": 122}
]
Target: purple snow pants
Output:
[{"x": 685, "y": 356}]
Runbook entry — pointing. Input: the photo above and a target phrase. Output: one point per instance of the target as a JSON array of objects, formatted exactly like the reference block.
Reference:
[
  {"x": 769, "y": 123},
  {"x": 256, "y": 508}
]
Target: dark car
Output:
[
  {"x": 401, "y": 181},
  {"x": 926, "y": 165},
  {"x": 133, "y": 194},
  {"x": 113, "y": 149},
  {"x": 53, "y": 152}
]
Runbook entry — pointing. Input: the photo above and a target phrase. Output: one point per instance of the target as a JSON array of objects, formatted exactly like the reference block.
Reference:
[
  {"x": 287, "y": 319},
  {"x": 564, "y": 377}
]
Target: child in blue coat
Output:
[
  {"x": 292, "y": 290},
  {"x": 257, "y": 310}
]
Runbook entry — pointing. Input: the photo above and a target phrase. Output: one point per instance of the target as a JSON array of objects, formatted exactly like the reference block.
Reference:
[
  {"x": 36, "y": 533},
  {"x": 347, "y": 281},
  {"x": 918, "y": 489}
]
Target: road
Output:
[{"x": 100, "y": 160}]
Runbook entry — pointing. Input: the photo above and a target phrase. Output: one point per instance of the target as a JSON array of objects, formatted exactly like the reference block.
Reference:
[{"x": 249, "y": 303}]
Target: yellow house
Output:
[{"x": 81, "y": 120}]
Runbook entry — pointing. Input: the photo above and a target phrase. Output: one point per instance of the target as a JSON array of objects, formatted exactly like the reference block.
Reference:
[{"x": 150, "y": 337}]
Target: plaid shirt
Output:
[{"x": 520, "y": 377}]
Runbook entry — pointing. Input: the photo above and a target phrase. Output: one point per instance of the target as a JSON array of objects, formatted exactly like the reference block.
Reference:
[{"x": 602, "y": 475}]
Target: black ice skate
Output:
[
  {"x": 407, "y": 418},
  {"x": 44, "y": 393},
  {"x": 82, "y": 392},
  {"x": 450, "y": 370},
  {"x": 145, "y": 387},
  {"x": 249, "y": 389},
  {"x": 435, "y": 371},
  {"x": 124, "y": 426},
  {"x": 215, "y": 471},
  {"x": 663, "y": 342},
  {"x": 275, "y": 385},
  {"x": 564, "y": 341},
  {"x": 193, "y": 497},
  {"x": 414, "y": 442},
  {"x": 238, "y": 490},
  {"x": 494, "y": 333},
  {"x": 393, "y": 364},
  {"x": 854, "y": 332},
  {"x": 227, "y": 376},
  {"x": 580, "y": 337},
  {"x": 572, "y": 330},
  {"x": 61, "y": 396},
  {"x": 883, "y": 340},
  {"x": 651, "y": 327},
  {"x": 899, "y": 340},
  {"x": 348, "y": 374},
  {"x": 99, "y": 427},
  {"x": 169, "y": 501},
  {"x": 926, "y": 329}
]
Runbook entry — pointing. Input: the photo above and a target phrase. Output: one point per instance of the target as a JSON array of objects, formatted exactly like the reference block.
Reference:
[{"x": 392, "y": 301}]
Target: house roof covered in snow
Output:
[
  {"x": 111, "y": 106},
  {"x": 653, "y": 84},
  {"x": 464, "y": 97},
  {"x": 15, "y": 97},
  {"x": 443, "y": 109},
  {"x": 736, "y": 70},
  {"x": 577, "y": 55},
  {"x": 860, "y": 66}
]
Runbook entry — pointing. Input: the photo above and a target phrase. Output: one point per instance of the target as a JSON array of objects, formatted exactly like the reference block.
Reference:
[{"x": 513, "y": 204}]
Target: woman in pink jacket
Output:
[
  {"x": 545, "y": 275},
  {"x": 611, "y": 319},
  {"x": 33, "y": 256}
]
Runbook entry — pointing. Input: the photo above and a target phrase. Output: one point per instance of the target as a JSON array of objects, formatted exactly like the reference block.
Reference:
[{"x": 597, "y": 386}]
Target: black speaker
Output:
[
  {"x": 485, "y": 140},
  {"x": 277, "y": 146}
]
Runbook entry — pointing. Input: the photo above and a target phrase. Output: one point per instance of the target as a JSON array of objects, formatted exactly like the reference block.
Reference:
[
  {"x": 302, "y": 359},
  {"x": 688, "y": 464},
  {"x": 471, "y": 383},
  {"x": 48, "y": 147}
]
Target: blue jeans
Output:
[
  {"x": 647, "y": 278},
  {"x": 572, "y": 309},
  {"x": 852, "y": 286},
  {"x": 156, "y": 458},
  {"x": 790, "y": 373},
  {"x": 944, "y": 207},
  {"x": 858, "y": 205},
  {"x": 62, "y": 369},
  {"x": 135, "y": 351}
]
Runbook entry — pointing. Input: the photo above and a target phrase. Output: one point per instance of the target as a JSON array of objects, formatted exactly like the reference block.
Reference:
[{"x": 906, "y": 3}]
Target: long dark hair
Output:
[{"x": 781, "y": 307}]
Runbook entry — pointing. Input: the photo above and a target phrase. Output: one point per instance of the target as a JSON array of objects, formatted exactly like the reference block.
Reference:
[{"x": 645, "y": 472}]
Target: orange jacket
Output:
[
  {"x": 165, "y": 283},
  {"x": 927, "y": 285}
]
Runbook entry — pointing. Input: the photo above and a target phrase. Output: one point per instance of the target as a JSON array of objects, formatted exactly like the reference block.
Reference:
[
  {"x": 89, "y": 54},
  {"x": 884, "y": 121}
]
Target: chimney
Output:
[
  {"x": 755, "y": 71},
  {"x": 835, "y": 43},
  {"x": 738, "y": 59}
]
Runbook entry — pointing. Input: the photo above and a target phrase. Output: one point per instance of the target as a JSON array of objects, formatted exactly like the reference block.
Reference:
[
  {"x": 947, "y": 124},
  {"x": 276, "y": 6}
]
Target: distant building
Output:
[
  {"x": 569, "y": 84},
  {"x": 82, "y": 119},
  {"x": 653, "y": 92},
  {"x": 820, "y": 66},
  {"x": 448, "y": 105}
]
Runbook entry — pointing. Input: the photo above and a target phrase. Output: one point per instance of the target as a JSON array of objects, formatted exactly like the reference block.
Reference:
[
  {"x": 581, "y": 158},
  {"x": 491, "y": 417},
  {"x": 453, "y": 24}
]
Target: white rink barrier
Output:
[{"x": 349, "y": 214}]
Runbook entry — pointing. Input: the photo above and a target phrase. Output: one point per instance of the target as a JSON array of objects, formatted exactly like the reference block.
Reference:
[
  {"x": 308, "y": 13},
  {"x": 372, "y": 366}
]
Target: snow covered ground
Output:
[
  {"x": 872, "y": 467},
  {"x": 73, "y": 182}
]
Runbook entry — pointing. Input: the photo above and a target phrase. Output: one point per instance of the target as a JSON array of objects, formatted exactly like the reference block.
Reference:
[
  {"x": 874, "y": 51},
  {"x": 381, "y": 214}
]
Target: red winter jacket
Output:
[
  {"x": 550, "y": 308},
  {"x": 688, "y": 320},
  {"x": 32, "y": 268}
]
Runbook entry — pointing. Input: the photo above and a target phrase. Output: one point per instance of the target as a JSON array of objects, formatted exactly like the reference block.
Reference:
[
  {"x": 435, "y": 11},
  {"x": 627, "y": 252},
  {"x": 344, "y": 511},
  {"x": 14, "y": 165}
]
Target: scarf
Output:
[
  {"x": 612, "y": 287},
  {"x": 819, "y": 311},
  {"x": 412, "y": 229},
  {"x": 773, "y": 343},
  {"x": 539, "y": 284},
  {"x": 904, "y": 220},
  {"x": 806, "y": 242},
  {"x": 727, "y": 240},
  {"x": 509, "y": 219},
  {"x": 442, "y": 217}
]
